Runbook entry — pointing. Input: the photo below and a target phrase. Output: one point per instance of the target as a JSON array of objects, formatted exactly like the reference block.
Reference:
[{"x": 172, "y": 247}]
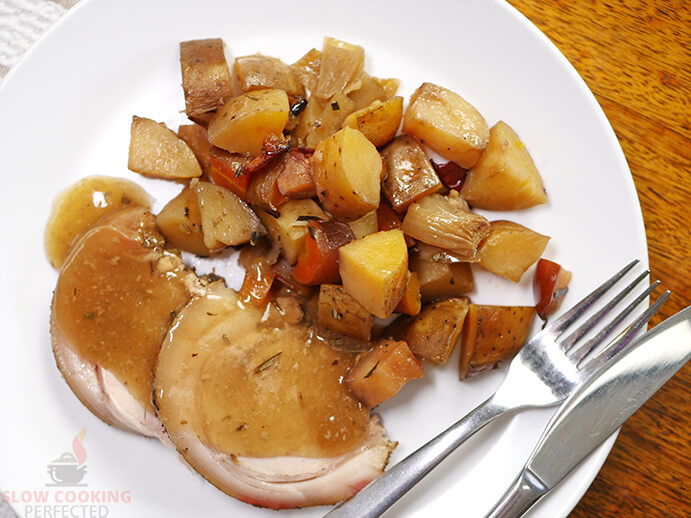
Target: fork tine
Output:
[
  {"x": 568, "y": 318},
  {"x": 583, "y": 329},
  {"x": 618, "y": 345},
  {"x": 582, "y": 350}
]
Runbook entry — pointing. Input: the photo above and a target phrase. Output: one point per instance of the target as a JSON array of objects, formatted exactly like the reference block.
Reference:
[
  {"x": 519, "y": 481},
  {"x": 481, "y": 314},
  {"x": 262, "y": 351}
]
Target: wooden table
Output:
[{"x": 635, "y": 55}]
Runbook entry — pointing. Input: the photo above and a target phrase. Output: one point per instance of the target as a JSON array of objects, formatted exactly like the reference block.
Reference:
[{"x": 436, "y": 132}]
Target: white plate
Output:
[{"x": 65, "y": 113}]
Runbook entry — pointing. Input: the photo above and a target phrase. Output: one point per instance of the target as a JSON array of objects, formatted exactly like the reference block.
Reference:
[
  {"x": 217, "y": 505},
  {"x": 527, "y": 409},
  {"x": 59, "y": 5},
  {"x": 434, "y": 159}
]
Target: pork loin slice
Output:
[
  {"x": 114, "y": 299},
  {"x": 260, "y": 411}
]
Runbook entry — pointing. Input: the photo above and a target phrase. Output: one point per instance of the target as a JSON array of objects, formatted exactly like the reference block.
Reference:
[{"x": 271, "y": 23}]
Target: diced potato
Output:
[
  {"x": 433, "y": 334},
  {"x": 439, "y": 280},
  {"x": 340, "y": 312},
  {"x": 307, "y": 69},
  {"x": 379, "y": 121},
  {"x": 492, "y": 334},
  {"x": 257, "y": 71},
  {"x": 444, "y": 121},
  {"x": 288, "y": 230},
  {"x": 365, "y": 225},
  {"x": 226, "y": 219},
  {"x": 446, "y": 222},
  {"x": 242, "y": 124},
  {"x": 340, "y": 63},
  {"x": 156, "y": 151},
  {"x": 409, "y": 173},
  {"x": 411, "y": 302},
  {"x": 380, "y": 374},
  {"x": 374, "y": 270},
  {"x": 505, "y": 176},
  {"x": 346, "y": 168},
  {"x": 197, "y": 138},
  {"x": 510, "y": 249},
  {"x": 180, "y": 222},
  {"x": 206, "y": 78}
]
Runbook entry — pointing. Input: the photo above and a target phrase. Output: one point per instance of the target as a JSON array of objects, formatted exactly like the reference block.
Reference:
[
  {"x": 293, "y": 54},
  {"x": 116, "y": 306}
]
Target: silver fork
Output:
[{"x": 546, "y": 370}]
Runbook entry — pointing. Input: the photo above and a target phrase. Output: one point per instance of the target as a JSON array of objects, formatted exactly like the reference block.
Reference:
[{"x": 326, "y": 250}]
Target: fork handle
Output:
[
  {"x": 525, "y": 491},
  {"x": 386, "y": 490}
]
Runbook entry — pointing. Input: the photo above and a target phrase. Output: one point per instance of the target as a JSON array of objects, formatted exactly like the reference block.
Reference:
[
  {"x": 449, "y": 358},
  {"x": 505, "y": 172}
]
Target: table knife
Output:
[{"x": 597, "y": 409}]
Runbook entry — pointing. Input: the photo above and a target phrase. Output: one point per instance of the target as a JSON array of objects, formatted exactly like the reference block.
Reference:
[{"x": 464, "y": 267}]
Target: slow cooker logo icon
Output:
[{"x": 68, "y": 469}]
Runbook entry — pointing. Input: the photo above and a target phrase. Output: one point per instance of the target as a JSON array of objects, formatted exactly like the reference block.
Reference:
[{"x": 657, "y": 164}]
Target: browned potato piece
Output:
[
  {"x": 433, "y": 334},
  {"x": 197, "y": 138},
  {"x": 346, "y": 168},
  {"x": 379, "y": 121},
  {"x": 288, "y": 230},
  {"x": 364, "y": 226},
  {"x": 340, "y": 312},
  {"x": 409, "y": 173},
  {"x": 511, "y": 249},
  {"x": 257, "y": 71},
  {"x": 206, "y": 78},
  {"x": 439, "y": 280},
  {"x": 447, "y": 123},
  {"x": 492, "y": 334},
  {"x": 156, "y": 151},
  {"x": 307, "y": 69},
  {"x": 379, "y": 374},
  {"x": 374, "y": 270},
  {"x": 242, "y": 124},
  {"x": 226, "y": 219},
  {"x": 446, "y": 222},
  {"x": 505, "y": 177},
  {"x": 180, "y": 222},
  {"x": 411, "y": 302},
  {"x": 340, "y": 63}
]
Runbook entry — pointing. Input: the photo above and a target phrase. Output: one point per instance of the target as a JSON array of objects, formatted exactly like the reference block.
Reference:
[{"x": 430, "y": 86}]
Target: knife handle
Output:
[{"x": 525, "y": 491}]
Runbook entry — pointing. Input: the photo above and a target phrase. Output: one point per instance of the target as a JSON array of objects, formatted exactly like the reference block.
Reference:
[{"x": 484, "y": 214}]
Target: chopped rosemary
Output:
[
  {"x": 267, "y": 364},
  {"x": 226, "y": 339},
  {"x": 334, "y": 106},
  {"x": 308, "y": 217},
  {"x": 238, "y": 171},
  {"x": 371, "y": 370},
  {"x": 254, "y": 237},
  {"x": 89, "y": 315},
  {"x": 311, "y": 231}
]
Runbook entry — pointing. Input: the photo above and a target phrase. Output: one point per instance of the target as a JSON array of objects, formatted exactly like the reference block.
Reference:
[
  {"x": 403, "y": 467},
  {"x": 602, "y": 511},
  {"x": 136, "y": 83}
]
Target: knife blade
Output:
[{"x": 597, "y": 409}]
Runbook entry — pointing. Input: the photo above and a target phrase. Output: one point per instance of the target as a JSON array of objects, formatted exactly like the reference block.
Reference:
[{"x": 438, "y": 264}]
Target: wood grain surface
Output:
[{"x": 635, "y": 55}]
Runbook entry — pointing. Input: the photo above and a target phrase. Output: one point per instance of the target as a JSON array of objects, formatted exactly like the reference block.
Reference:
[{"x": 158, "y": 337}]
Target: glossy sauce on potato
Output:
[
  {"x": 114, "y": 298},
  {"x": 249, "y": 388},
  {"x": 81, "y": 205}
]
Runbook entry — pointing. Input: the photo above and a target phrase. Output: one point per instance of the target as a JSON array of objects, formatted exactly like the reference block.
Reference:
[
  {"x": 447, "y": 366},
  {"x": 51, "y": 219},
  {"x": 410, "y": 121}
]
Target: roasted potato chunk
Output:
[
  {"x": 156, "y": 151},
  {"x": 340, "y": 63},
  {"x": 439, "y": 280},
  {"x": 288, "y": 230},
  {"x": 409, "y": 173},
  {"x": 446, "y": 222},
  {"x": 257, "y": 71},
  {"x": 444, "y": 121},
  {"x": 346, "y": 168},
  {"x": 206, "y": 78},
  {"x": 242, "y": 124},
  {"x": 365, "y": 225},
  {"x": 379, "y": 121},
  {"x": 433, "y": 334},
  {"x": 374, "y": 270},
  {"x": 492, "y": 334},
  {"x": 380, "y": 374},
  {"x": 226, "y": 219},
  {"x": 510, "y": 249},
  {"x": 180, "y": 222},
  {"x": 340, "y": 312},
  {"x": 505, "y": 176}
]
